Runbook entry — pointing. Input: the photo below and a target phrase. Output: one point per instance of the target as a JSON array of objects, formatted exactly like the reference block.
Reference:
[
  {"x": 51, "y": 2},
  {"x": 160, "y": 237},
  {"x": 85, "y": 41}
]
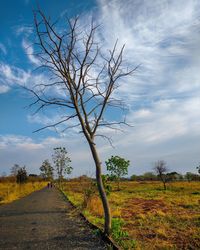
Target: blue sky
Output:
[{"x": 163, "y": 96}]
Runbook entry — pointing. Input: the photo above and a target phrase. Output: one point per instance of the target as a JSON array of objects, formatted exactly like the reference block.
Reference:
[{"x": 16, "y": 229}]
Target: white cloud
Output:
[
  {"x": 162, "y": 36},
  {"x": 27, "y": 151},
  {"x": 24, "y": 30},
  {"x": 4, "y": 89},
  {"x": 163, "y": 95},
  {"x": 10, "y": 75},
  {"x": 28, "y": 48},
  {"x": 17, "y": 141},
  {"x": 166, "y": 120}
]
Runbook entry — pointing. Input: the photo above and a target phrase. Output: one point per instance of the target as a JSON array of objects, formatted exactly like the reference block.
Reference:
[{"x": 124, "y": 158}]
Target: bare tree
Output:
[
  {"x": 83, "y": 80},
  {"x": 161, "y": 169},
  {"x": 14, "y": 170}
]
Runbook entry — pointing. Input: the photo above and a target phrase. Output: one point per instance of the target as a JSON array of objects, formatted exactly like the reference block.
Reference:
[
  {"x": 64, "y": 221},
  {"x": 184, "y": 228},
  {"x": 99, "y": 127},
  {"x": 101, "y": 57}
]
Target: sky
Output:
[{"x": 163, "y": 96}]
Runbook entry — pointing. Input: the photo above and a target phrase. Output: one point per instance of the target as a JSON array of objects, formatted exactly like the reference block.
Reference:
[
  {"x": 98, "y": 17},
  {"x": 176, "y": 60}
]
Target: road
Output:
[{"x": 44, "y": 220}]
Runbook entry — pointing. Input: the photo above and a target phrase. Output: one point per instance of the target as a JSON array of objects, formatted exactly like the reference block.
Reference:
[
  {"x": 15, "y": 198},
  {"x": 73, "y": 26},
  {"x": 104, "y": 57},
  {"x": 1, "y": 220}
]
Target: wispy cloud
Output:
[
  {"x": 28, "y": 48},
  {"x": 163, "y": 95},
  {"x": 3, "y": 48},
  {"x": 4, "y": 89},
  {"x": 18, "y": 141},
  {"x": 23, "y": 30},
  {"x": 27, "y": 151},
  {"x": 66, "y": 129},
  {"x": 166, "y": 120},
  {"x": 162, "y": 37},
  {"x": 13, "y": 75}
]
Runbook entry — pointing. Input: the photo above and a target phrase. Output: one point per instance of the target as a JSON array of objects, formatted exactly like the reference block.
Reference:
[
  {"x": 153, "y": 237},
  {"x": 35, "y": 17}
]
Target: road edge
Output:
[{"x": 108, "y": 240}]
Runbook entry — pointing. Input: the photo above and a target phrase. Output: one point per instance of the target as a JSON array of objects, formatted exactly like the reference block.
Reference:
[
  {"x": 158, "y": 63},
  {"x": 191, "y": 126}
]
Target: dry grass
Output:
[
  {"x": 10, "y": 191},
  {"x": 154, "y": 218}
]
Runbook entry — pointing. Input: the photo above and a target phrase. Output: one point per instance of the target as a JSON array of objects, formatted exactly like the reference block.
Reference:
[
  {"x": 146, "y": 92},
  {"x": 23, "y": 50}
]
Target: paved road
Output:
[{"x": 44, "y": 220}]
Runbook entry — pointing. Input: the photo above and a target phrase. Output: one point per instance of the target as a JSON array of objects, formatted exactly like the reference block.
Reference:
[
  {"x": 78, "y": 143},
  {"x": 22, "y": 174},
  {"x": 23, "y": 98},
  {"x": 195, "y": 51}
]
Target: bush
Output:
[{"x": 22, "y": 175}]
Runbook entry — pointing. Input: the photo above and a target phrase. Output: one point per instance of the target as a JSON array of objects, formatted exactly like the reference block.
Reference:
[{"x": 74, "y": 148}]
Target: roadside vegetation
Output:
[
  {"x": 19, "y": 183},
  {"x": 10, "y": 190},
  {"x": 145, "y": 216},
  {"x": 155, "y": 210}
]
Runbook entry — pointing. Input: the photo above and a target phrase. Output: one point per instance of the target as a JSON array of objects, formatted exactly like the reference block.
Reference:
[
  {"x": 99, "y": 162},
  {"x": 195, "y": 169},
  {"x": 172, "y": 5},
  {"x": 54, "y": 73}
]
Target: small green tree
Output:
[
  {"x": 46, "y": 170},
  {"x": 22, "y": 175},
  {"x": 118, "y": 167},
  {"x": 62, "y": 163}
]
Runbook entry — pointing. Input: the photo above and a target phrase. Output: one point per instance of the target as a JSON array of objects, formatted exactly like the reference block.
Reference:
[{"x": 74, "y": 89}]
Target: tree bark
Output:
[
  {"x": 102, "y": 193},
  {"x": 164, "y": 185}
]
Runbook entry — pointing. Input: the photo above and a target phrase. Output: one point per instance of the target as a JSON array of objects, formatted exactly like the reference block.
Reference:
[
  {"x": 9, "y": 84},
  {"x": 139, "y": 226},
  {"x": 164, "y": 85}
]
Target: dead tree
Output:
[
  {"x": 83, "y": 80},
  {"x": 161, "y": 170}
]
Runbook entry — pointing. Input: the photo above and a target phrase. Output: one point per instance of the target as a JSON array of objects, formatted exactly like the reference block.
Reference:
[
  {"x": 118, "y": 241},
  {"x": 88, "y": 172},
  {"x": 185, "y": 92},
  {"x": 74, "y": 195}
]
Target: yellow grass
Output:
[
  {"x": 153, "y": 218},
  {"x": 10, "y": 191}
]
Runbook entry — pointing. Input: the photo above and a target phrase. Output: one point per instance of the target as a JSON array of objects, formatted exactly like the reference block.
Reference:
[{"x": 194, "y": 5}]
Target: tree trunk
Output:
[
  {"x": 163, "y": 181},
  {"x": 107, "y": 214},
  {"x": 164, "y": 186}
]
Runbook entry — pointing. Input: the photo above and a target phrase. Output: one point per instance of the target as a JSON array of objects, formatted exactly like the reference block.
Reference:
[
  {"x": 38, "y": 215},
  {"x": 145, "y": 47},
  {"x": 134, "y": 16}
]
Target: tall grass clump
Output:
[{"x": 10, "y": 191}]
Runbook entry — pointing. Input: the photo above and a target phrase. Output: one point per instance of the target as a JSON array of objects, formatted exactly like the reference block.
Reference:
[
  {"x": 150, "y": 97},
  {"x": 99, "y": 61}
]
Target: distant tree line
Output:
[
  {"x": 61, "y": 167},
  {"x": 117, "y": 168},
  {"x": 171, "y": 176},
  {"x": 20, "y": 175}
]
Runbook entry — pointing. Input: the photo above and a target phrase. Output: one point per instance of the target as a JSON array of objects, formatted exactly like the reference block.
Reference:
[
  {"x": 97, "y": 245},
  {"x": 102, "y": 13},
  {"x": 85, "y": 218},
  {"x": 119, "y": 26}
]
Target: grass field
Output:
[
  {"x": 149, "y": 217},
  {"x": 10, "y": 191}
]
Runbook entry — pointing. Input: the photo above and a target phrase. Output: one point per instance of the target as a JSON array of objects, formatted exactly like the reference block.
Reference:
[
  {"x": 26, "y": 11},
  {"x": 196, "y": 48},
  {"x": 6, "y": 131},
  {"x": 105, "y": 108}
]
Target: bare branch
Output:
[
  {"x": 55, "y": 124},
  {"x": 109, "y": 139},
  {"x": 87, "y": 78}
]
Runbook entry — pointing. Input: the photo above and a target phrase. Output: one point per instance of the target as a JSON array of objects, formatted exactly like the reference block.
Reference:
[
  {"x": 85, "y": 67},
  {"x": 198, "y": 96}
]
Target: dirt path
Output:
[{"x": 44, "y": 220}]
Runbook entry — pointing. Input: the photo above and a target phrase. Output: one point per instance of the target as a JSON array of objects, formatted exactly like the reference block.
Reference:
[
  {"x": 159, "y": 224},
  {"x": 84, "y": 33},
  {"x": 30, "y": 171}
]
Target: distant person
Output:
[
  {"x": 48, "y": 185},
  {"x": 51, "y": 184}
]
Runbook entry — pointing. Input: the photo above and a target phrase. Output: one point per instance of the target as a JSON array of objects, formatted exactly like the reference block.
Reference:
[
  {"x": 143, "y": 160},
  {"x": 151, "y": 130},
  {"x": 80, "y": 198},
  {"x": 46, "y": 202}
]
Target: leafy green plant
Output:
[
  {"x": 97, "y": 232},
  {"x": 46, "y": 170},
  {"x": 88, "y": 193},
  {"x": 107, "y": 186},
  {"x": 118, "y": 167},
  {"x": 119, "y": 234},
  {"x": 117, "y": 231}
]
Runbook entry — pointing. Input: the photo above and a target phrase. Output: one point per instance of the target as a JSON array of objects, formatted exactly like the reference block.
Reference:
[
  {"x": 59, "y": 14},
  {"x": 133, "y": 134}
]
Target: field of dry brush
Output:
[{"x": 150, "y": 217}]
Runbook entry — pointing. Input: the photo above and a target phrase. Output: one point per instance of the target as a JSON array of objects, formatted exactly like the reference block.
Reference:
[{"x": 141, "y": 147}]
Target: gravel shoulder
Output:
[{"x": 44, "y": 220}]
